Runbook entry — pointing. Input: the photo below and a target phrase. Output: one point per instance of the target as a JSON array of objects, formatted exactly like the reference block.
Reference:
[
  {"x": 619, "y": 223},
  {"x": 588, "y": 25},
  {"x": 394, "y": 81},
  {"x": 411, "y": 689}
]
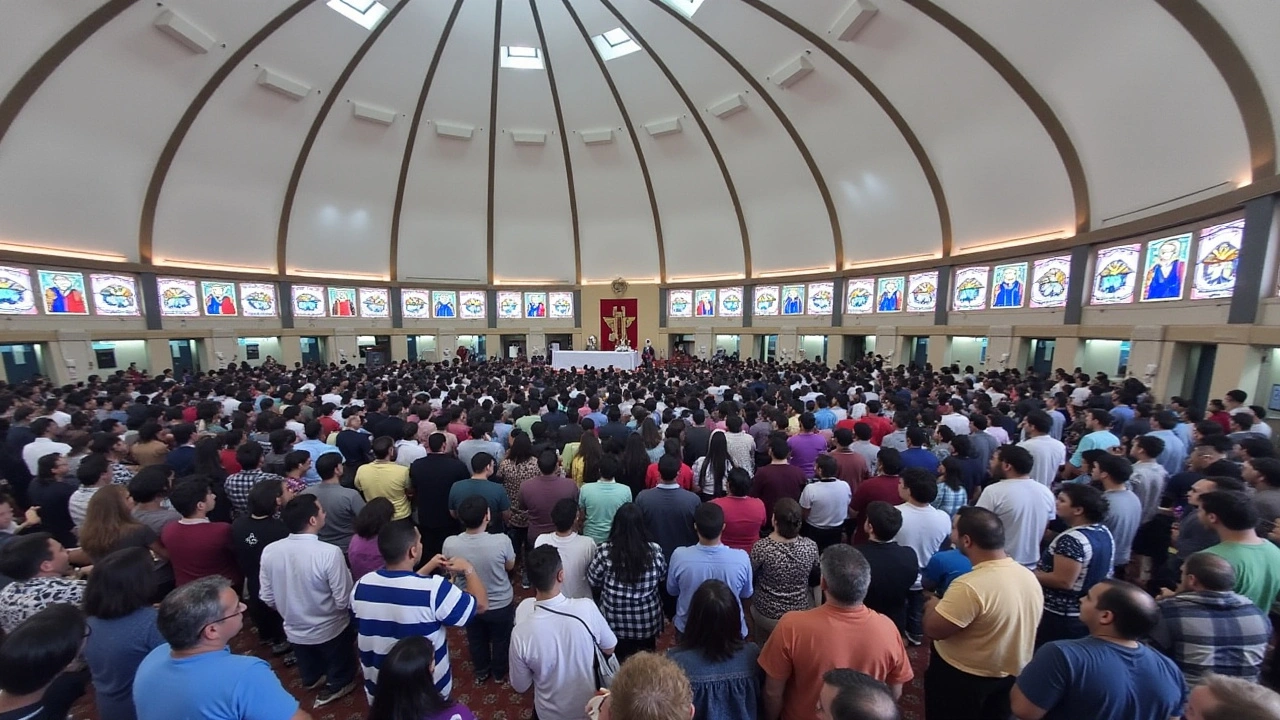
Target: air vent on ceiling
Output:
[
  {"x": 731, "y": 105},
  {"x": 529, "y": 137},
  {"x": 372, "y": 113},
  {"x": 597, "y": 137},
  {"x": 658, "y": 128},
  {"x": 286, "y": 86},
  {"x": 793, "y": 72},
  {"x": 190, "y": 35},
  {"x": 455, "y": 130},
  {"x": 853, "y": 19}
]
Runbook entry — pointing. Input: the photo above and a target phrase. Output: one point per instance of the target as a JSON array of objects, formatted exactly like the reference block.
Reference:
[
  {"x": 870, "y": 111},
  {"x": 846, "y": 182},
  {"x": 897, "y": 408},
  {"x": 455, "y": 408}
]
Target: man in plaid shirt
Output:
[
  {"x": 1207, "y": 628},
  {"x": 249, "y": 456}
]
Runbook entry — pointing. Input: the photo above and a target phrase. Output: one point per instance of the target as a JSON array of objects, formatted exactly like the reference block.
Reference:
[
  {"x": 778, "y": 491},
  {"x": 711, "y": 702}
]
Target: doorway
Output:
[
  {"x": 767, "y": 347},
  {"x": 812, "y": 348},
  {"x": 313, "y": 350},
  {"x": 374, "y": 349},
  {"x": 475, "y": 345},
  {"x": 680, "y": 345},
  {"x": 556, "y": 341},
  {"x": 918, "y": 350},
  {"x": 421, "y": 347},
  {"x": 515, "y": 347},
  {"x": 185, "y": 355},
  {"x": 1042, "y": 355},
  {"x": 855, "y": 347},
  {"x": 730, "y": 344},
  {"x": 1199, "y": 373},
  {"x": 22, "y": 362}
]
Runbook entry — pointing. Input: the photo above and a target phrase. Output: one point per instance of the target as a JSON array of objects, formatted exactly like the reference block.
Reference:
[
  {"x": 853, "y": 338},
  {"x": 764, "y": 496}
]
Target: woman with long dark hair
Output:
[
  {"x": 362, "y": 553},
  {"x": 635, "y": 464},
  {"x": 951, "y": 493},
  {"x": 652, "y": 438},
  {"x": 109, "y": 526},
  {"x": 585, "y": 467},
  {"x": 722, "y": 667},
  {"x": 627, "y": 572},
  {"x": 711, "y": 470},
  {"x": 405, "y": 690},
  {"x": 117, "y": 600},
  {"x": 518, "y": 466}
]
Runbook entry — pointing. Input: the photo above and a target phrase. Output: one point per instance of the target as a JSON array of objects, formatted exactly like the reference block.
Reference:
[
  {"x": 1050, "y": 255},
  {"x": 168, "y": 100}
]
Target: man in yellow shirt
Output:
[
  {"x": 384, "y": 478},
  {"x": 984, "y": 628}
]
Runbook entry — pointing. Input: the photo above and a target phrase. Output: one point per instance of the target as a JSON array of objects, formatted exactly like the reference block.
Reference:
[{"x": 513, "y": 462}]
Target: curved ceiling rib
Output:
[
  {"x": 631, "y": 131},
  {"x": 1030, "y": 96},
  {"x": 42, "y": 68},
  {"x": 706, "y": 132},
  {"x": 493, "y": 143},
  {"x": 146, "y": 230},
  {"x": 394, "y": 261},
  {"x": 1226, "y": 56},
  {"x": 564, "y": 143},
  {"x": 787, "y": 125},
  {"x": 899, "y": 121},
  {"x": 291, "y": 190}
]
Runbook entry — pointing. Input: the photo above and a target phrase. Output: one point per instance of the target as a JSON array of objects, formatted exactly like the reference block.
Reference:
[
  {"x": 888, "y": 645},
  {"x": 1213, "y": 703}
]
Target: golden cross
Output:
[{"x": 618, "y": 324}]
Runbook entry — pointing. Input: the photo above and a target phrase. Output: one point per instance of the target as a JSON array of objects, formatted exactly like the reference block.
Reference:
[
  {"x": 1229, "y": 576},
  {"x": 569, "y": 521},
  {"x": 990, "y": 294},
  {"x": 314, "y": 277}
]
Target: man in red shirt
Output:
[
  {"x": 880, "y": 425},
  {"x": 851, "y": 467},
  {"x": 778, "y": 479},
  {"x": 198, "y": 548},
  {"x": 882, "y": 487}
]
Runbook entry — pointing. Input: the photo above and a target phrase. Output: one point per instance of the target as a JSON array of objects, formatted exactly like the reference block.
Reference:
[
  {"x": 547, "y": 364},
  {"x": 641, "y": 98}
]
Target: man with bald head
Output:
[
  {"x": 1109, "y": 675},
  {"x": 1205, "y": 627},
  {"x": 851, "y": 695}
]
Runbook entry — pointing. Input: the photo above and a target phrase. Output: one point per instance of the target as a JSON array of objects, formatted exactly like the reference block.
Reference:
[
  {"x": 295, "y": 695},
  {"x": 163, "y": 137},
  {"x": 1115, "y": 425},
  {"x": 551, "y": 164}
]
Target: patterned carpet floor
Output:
[{"x": 489, "y": 700}]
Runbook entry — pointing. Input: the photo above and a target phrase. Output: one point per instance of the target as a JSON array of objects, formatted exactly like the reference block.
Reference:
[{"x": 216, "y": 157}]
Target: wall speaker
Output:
[
  {"x": 597, "y": 137},
  {"x": 529, "y": 137},
  {"x": 455, "y": 130}
]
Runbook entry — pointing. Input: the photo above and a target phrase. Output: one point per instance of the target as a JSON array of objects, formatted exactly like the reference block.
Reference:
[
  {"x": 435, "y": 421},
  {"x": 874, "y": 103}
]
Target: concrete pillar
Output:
[
  {"x": 446, "y": 345},
  {"x": 158, "y": 355},
  {"x": 341, "y": 347},
  {"x": 1146, "y": 350},
  {"x": 1068, "y": 352},
  {"x": 220, "y": 350},
  {"x": 939, "y": 348},
  {"x": 536, "y": 344},
  {"x": 788, "y": 345},
  {"x": 889, "y": 344},
  {"x": 493, "y": 345},
  {"x": 290, "y": 350},
  {"x": 399, "y": 348},
  {"x": 72, "y": 358},
  {"x": 1000, "y": 347},
  {"x": 704, "y": 342},
  {"x": 1236, "y": 366}
]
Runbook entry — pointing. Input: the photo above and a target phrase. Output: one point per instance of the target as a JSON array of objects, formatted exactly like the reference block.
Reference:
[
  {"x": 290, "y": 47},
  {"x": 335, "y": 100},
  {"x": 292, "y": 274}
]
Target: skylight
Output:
[
  {"x": 685, "y": 7},
  {"x": 524, "y": 58},
  {"x": 615, "y": 43},
  {"x": 365, "y": 13}
]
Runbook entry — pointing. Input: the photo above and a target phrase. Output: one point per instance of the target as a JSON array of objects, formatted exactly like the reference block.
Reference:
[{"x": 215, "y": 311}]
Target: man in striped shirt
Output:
[{"x": 396, "y": 602}]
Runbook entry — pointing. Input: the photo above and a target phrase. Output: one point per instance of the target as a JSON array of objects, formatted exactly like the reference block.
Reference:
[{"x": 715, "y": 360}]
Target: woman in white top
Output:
[
  {"x": 825, "y": 503},
  {"x": 711, "y": 471}
]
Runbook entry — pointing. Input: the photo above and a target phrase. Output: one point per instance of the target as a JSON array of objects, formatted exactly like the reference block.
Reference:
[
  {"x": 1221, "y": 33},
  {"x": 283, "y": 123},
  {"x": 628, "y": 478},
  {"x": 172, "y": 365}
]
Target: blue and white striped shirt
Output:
[{"x": 394, "y": 604}]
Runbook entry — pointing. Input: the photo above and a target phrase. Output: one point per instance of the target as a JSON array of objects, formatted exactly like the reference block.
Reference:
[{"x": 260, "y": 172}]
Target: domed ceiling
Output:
[{"x": 561, "y": 141}]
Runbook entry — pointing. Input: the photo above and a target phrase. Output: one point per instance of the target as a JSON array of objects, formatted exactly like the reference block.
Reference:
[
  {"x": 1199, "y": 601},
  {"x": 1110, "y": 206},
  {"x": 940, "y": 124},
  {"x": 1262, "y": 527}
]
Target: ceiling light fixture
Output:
[
  {"x": 38, "y": 250},
  {"x": 685, "y": 7},
  {"x": 886, "y": 261},
  {"x": 219, "y": 267},
  {"x": 614, "y": 44},
  {"x": 1014, "y": 242},
  {"x": 365, "y": 13},
  {"x": 339, "y": 276},
  {"x": 806, "y": 271}
]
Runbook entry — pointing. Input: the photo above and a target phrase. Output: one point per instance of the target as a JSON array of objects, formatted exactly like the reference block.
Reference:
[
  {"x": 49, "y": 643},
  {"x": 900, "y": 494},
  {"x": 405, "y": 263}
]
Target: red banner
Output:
[{"x": 619, "y": 320}]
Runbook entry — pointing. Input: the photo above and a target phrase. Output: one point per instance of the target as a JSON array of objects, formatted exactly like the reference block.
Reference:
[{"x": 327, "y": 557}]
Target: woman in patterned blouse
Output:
[
  {"x": 784, "y": 565},
  {"x": 627, "y": 571}
]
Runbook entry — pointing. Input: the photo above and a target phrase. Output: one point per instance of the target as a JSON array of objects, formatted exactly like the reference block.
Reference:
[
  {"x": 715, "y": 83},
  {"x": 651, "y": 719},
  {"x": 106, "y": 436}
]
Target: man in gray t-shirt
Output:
[
  {"x": 491, "y": 556},
  {"x": 1124, "y": 508},
  {"x": 341, "y": 504}
]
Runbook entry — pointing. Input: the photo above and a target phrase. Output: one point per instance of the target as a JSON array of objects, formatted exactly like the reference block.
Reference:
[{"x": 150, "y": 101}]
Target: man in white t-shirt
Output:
[
  {"x": 554, "y": 642},
  {"x": 825, "y": 503},
  {"x": 952, "y": 418},
  {"x": 924, "y": 529},
  {"x": 576, "y": 551},
  {"x": 1025, "y": 506},
  {"x": 1047, "y": 454}
]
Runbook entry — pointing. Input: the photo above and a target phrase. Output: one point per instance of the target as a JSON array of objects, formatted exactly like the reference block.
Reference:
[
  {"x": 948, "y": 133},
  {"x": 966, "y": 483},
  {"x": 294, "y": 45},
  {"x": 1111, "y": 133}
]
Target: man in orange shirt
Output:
[{"x": 842, "y": 633}]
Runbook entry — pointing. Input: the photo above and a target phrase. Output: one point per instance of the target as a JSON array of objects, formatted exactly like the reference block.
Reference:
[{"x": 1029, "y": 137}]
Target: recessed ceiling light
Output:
[
  {"x": 614, "y": 43},
  {"x": 522, "y": 58},
  {"x": 685, "y": 7},
  {"x": 365, "y": 13}
]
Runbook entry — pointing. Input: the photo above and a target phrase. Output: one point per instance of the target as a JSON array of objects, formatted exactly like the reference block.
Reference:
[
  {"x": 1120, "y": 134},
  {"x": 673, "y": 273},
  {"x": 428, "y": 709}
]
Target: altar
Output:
[{"x": 600, "y": 359}]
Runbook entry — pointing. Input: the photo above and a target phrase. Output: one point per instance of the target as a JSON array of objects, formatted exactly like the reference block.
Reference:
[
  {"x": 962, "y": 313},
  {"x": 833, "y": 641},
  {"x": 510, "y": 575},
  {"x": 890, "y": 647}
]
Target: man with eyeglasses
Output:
[{"x": 195, "y": 674}]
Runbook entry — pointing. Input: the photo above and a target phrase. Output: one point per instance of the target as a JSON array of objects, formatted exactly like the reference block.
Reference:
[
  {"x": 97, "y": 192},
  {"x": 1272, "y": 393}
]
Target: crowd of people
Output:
[{"x": 1066, "y": 546}]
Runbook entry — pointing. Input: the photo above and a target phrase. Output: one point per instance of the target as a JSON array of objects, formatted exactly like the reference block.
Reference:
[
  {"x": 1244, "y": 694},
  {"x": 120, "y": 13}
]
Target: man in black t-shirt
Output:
[
  {"x": 250, "y": 534},
  {"x": 893, "y": 567}
]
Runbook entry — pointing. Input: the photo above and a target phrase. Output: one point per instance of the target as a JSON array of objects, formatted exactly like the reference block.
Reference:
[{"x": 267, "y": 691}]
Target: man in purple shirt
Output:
[
  {"x": 540, "y": 494},
  {"x": 806, "y": 445}
]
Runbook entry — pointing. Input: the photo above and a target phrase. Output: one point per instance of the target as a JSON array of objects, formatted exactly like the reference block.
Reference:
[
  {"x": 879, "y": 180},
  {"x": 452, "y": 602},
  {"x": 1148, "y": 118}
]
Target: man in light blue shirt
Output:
[
  {"x": 315, "y": 447},
  {"x": 1098, "y": 438},
  {"x": 481, "y": 441},
  {"x": 708, "y": 560},
  {"x": 824, "y": 418},
  {"x": 1175, "y": 451}
]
